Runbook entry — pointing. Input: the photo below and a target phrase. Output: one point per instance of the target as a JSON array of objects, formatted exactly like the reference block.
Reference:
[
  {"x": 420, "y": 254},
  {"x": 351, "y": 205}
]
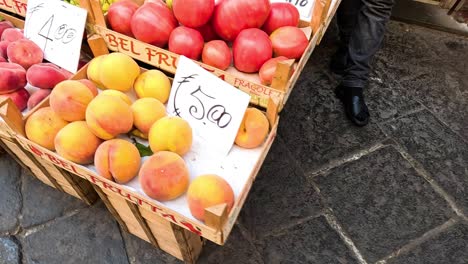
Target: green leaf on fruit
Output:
[{"x": 142, "y": 149}]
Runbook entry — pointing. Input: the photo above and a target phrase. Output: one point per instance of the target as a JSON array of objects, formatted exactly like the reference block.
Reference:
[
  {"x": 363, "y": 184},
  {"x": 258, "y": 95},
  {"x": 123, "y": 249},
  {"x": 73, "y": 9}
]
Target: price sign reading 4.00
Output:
[
  {"x": 304, "y": 7},
  {"x": 57, "y": 28},
  {"x": 213, "y": 108}
]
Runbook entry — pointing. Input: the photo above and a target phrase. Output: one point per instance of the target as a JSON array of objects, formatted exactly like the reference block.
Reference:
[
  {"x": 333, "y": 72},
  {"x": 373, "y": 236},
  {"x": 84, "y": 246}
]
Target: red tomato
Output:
[
  {"x": 289, "y": 41},
  {"x": 216, "y": 53},
  {"x": 120, "y": 16},
  {"x": 268, "y": 69},
  {"x": 230, "y": 17},
  {"x": 193, "y": 13},
  {"x": 281, "y": 14},
  {"x": 186, "y": 41},
  {"x": 153, "y": 23},
  {"x": 208, "y": 32},
  {"x": 251, "y": 49}
]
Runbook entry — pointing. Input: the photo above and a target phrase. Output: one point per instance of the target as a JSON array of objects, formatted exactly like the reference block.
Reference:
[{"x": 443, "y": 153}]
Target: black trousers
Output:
[{"x": 362, "y": 26}]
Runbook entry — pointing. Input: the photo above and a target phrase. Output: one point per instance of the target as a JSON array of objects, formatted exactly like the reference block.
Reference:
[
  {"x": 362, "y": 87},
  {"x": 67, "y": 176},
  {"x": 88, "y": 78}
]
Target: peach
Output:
[
  {"x": 12, "y": 34},
  {"x": 118, "y": 94},
  {"x": 109, "y": 116},
  {"x": 3, "y": 49},
  {"x": 118, "y": 160},
  {"x": 164, "y": 176},
  {"x": 153, "y": 83},
  {"x": 45, "y": 75},
  {"x": 37, "y": 97},
  {"x": 91, "y": 86},
  {"x": 253, "y": 129},
  {"x": 69, "y": 100},
  {"x": 24, "y": 52},
  {"x": 93, "y": 71},
  {"x": 19, "y": 97},
  {"x": 42, "y": 127},
  {"x": 12, "y": 77},
  {"x": 207, "y": 191},
  {"x": 146, "y": 111},
  {"x": 172, "y": 134},
  {"x": 118, "y": 71},
  {"x": 4, "y": 25},
  {"x": 75, "y": 142}
]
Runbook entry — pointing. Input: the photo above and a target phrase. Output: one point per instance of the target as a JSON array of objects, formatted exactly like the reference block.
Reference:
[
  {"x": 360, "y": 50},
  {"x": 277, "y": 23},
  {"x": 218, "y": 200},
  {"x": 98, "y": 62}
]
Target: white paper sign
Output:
[
  {"x": 304, "y": 7},
  {"x": 213, "y": 108},
  {"x": 57, "y": 28}
]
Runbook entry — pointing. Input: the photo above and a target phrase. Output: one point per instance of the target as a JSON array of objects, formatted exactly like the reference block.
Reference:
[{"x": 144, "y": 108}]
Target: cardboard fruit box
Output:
[
  {"x": 45, "y": 172},
  {"x": 167, "y": 225},
  {"x": 285, "y": 77}
]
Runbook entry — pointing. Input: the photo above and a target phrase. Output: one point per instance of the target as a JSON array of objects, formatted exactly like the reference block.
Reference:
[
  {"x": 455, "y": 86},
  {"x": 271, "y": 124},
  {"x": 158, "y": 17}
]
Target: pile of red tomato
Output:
[{"x": 260, "y": 33}]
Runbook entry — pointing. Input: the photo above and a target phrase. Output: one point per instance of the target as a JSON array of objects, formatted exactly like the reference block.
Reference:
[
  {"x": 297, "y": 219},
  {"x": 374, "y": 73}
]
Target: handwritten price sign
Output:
[
  {"x": 304, "y": 7},
  {"x": 57, "y": 28},
  {"x": 213, "y": 108}
]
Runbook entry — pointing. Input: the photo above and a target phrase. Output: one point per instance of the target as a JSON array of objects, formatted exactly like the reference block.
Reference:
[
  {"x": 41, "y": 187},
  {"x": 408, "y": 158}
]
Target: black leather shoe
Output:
[
  {"x": 354, "y": 104},
  {"x": 339, "y": 61}
]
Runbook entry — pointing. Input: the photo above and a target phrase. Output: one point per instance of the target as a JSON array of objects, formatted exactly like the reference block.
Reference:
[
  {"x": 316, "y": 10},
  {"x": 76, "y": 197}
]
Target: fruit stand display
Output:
[
  {"x": 173, "y": 217},
  {"x": 142, "y": 37},
  {"x": 18, "y": 100},
  {"x": 115, "y": 127}
]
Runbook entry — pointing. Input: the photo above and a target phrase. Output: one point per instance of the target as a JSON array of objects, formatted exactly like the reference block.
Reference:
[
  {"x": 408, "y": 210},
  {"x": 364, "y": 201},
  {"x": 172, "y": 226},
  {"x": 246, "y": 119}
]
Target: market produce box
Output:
[
  {"x": 151, "y": 33},
  {"x": 18, "y": 99},
  {"x": 149, "y": 167},
  {"x": 14, "y": 6}
]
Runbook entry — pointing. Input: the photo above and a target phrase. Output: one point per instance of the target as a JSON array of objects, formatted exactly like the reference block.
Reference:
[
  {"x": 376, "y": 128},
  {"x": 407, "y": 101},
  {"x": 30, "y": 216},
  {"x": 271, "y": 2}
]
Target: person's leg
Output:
[
  {"x": 364, "y": 42},
  {"x": 346, "y": 17}
]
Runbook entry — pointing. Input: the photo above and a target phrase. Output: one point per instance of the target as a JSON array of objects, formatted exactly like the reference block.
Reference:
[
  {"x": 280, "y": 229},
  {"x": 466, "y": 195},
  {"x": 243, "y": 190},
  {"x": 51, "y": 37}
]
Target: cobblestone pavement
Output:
[{"x": 395, "y": 191}]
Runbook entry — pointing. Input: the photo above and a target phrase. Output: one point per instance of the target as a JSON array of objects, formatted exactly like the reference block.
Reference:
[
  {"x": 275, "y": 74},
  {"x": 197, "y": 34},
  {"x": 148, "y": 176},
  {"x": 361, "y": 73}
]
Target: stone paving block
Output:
[
  {"x": 90, "y": 236},
  {"x": 404, "y": 52},
  {"x": 141, "y": 252},
  {"x": 442, "y": 153},
  {"x": 280, "y": 195},
  {"x": 236, "y": 250},
  {"x": 10, "y": 194},
  {"x": 315, "y": 128},
  {"x": 42, "y": 203},
  {"x": 448, "y": 247},
  {"x": 9, "y": 252},
  {"x": 428, "y": 65},
  {"x": 313, "y": 241},
  {"x": 382, "y": 202}
]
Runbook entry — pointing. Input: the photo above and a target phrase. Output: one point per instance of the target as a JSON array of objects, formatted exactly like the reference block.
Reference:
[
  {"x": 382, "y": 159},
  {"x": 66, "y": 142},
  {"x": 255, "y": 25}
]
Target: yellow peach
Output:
[
  {"x": 207, "y": 191},
  {"x": 146, "y": 111},
  {"x": 153, "y": 83},
  {"x": 76, "y": 142},
  {"x": 118, "y": 160},
  {"x": 172, "y": 134},
  {"x": 164, "y": 176},
  {"x": 42, "y": 127}
]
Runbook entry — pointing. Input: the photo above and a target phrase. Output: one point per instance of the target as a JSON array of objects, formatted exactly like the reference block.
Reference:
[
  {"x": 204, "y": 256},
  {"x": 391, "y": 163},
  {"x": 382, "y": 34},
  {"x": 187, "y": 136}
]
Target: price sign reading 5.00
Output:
[
  {"x": 57, "y": 28},
  {"x": 213, "y": 108},
  {"x": 304, "y": 7}
]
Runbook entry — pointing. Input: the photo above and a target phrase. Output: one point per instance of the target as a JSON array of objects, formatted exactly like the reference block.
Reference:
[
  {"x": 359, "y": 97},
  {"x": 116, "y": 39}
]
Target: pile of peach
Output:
[
  {"x": 21, "y": 63},
  {"x": 82, "y": 125}
]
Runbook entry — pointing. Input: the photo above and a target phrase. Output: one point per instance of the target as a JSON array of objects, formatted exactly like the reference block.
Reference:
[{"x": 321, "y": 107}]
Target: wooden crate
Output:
[
  {"x": 45, "y": 172},
  {"x": 17, "y": 7},
  {"x": 286, "y": 75},
  {"x": 165, "y": 228}
]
